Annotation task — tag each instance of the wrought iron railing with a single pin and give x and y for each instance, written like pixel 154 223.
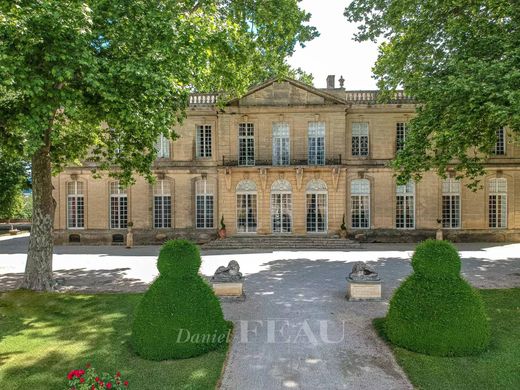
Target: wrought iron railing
pixel 233 161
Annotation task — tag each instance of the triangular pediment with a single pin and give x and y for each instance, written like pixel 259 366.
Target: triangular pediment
pixel 285 92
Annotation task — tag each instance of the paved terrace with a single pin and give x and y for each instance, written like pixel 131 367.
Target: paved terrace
pixel 295 292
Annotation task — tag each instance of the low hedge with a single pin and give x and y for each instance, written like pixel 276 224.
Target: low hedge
pixel 435 311
pixel 179 316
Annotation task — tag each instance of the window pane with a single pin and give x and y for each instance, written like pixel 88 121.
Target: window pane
pixel 246 144
pixel 203 141
pixel 281 145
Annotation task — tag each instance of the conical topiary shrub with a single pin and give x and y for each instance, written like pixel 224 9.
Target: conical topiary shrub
pixel 179 316
pixel 435 311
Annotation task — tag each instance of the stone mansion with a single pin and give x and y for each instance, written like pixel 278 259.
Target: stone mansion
pixel 290 159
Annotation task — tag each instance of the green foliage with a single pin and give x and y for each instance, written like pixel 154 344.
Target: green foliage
pixel 13 178
pixel 436 311
pixel 222 224
pixel 179 316
pixel 461 61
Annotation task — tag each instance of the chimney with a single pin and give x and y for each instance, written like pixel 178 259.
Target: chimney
pixel 331 81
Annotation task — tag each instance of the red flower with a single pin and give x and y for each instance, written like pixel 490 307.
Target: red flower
pixel 125 383
pixel 97 379
pixel 118 373
pixel 70 375
pixel 93 387
pixel 109 385
pixel 81 380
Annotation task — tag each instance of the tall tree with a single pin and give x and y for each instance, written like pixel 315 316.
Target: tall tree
pixel 461 61
pixel 103 78
pixel 13 179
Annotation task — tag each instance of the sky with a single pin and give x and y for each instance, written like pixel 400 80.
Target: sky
pixel 335 51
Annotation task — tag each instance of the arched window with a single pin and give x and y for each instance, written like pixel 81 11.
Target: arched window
pixel 162 204
pixel 75 205
pixel 497 189
pixel 204 202
pixel 360 203
pixel 317 212
pixel 246 207
pixel 405 206
pixel 451 203
pixel 118 206
pixel 281 207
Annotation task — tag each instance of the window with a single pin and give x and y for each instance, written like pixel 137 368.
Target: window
pixel 281 148
pixel 401 131
pixel 405 206
pixel 204 198
pixel 162 205
pixel 316 143
pixel 451 204
pixel 118 206
pixel 281 207
pixel 500 146
pixel 246 144
pixel 246 207
pixel 316 206
pixel 75 205
pixel 360 203
pixel 162 146
pixel 359 139
pixel 203 141
pixel 498 203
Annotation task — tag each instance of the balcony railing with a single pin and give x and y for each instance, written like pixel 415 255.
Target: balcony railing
pixel 233 161
pixel 203 99
pixel 371 97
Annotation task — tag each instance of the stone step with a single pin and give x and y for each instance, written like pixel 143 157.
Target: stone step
pixel 281 242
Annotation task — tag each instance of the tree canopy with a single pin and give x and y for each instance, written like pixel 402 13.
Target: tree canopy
pixel 461 61
pixel 13 179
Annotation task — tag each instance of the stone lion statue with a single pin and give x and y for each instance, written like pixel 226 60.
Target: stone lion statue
pixel 229 273
pixel 363 271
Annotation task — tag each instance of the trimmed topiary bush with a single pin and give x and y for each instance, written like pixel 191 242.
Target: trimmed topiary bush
pixel 435 311
pixel 179 316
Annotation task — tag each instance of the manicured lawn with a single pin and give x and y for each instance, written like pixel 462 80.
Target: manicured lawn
pixel 497 368
pixel 43 336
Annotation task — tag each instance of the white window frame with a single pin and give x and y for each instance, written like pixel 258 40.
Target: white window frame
pixel 162 146
pixel 246 144
pixel 315 153
pixel 401 132
pixel 360 189
pixel 204 191
pixel 282 189
pixel 162 215
pixel 360 130
pixel 118 193
pixel 497 190
pixel 246 190
pixel 500 145
pixel 77 194
pixel 451 198
pixel 204 138
pixel 281 137
pixel 407 193
pixel 318 189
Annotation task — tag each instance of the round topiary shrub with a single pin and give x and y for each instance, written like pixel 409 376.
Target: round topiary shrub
pixel 435 311
pixel 179 316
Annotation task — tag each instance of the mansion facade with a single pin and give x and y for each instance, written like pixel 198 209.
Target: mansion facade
pixel 290 159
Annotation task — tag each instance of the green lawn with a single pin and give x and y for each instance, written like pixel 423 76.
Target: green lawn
pixel 498 368
pixel 45 335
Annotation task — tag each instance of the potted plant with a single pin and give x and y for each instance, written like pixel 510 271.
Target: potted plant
pixel 343 228
pixel 222 230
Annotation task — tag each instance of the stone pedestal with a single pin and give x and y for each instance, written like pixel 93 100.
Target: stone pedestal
pixel 129 240
pixel 439 235
pixel 228 289
pixel 363 290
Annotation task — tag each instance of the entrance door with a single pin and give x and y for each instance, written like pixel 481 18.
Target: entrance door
pixel 246 213
pixel 316 213
pixel 281 212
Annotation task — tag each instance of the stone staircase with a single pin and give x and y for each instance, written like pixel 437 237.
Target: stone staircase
pixel 281 242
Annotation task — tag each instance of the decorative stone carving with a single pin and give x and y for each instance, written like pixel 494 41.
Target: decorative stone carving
pixel 227 177
pixel 335 177
pixel 299 177
pixel 231 273
pixel 363 283
pixel 246 186
pixel 362 271
pixel 262 172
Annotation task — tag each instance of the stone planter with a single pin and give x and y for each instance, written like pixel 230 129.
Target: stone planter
pixel 366 290
pixel 439 235
pixel 228 289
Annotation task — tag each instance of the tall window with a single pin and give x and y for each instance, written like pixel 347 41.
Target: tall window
pixel 281 145
pixel 203 141
pixel 118 206
pixel 405 206
pixel 360 203
pixel 162 205
pixel 246 144
pixel 162 146
pixel 75 205
pixel 204 201
pixel 246 206
pixel 400 135
pixel 451 204
pixel 316 206
pixel 497 203
pixel 281 207
pixel 359 139
pixel 316 143
pixel 500 146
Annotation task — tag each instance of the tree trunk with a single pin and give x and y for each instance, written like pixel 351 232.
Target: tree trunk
pixel 38 269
